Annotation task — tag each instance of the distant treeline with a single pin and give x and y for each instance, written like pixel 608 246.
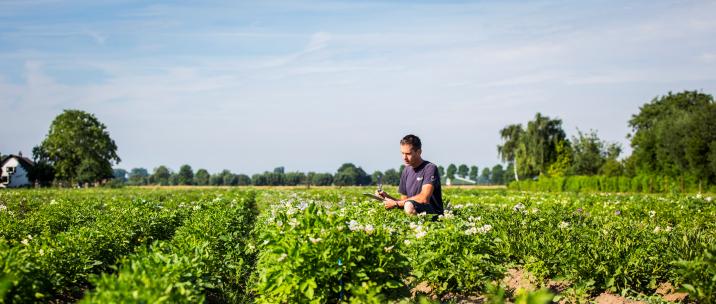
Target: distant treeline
pixel 673 138
pixel 347 175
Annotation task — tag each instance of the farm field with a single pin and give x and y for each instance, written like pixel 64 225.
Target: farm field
pixel 328 245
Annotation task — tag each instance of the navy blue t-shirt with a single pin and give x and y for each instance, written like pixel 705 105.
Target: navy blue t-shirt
pixel 413 179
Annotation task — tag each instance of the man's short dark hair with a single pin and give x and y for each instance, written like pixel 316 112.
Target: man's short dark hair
pixel 413 141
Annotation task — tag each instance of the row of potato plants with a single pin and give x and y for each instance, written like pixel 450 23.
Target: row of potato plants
pixel 206 259
pixel 50 211
pixel 597 242
pixel 52 265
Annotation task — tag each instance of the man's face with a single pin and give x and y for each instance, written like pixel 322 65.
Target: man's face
pixel 410 157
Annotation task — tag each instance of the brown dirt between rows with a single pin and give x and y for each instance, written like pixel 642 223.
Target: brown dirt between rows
pixel 517 279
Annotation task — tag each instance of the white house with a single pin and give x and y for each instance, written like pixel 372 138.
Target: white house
pixel 14 171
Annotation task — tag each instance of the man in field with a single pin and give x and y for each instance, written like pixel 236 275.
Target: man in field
pixel 419 183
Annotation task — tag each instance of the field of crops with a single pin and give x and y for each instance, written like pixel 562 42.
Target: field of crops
pixel 332 245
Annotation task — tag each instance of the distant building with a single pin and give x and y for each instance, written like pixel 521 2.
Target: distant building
pixel 15 169
pixel 457 181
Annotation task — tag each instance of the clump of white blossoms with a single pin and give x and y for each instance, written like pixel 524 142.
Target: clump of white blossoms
pixel 293 222
pixel 479 230
pixel 563 225
pixel 353 225
pixel 388 249
pixel 316 240
pixel 420 231
pixel 2 207
pixel 282 257
pixel 519 207
pixel 658 229
pixel 26 241
pixel 420 234
pixel 446 215
pixel 708 199
pixel 368 229
pixel 652 213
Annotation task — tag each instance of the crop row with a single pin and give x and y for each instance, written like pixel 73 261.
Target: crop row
pixel 206 257
pixel 593 243
pixel 58 266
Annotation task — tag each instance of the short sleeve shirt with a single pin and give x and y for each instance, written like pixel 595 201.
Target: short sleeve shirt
pixel 413 179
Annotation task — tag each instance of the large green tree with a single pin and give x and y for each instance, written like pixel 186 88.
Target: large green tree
pixel 138 176
pixel 675 135
pixel 201 178
pixel 497 176
pixel 42 172
pixel 485 176
pixel 474 172
pixel 463 170
pixel 120 175
pixel 185 176
pixel 349 175
pixel 512 146
pixel 588 153
pixel 243 180
pixel 542 136
pixel 79 148
pixel 322 179
pixel 451 170
pixel 532 150
pixel 391 177
pixel 161 175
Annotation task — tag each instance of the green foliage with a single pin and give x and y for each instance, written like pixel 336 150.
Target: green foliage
pixel 498 175
pixel 120 175
pixel 185 176
pixel 534 149
pixel 474 171
pixel 161 176
pixel 207 254
pixel 243 180
pixel 309 253
pixel 201 178
pixel 147 246
pixel 485 176
pixel 451 170
pixel 589 153
pixel 463 170
pixel 138 177
pixel 602 183
pixel 79 148
pixel 294 178
pixel 46 265
pixel 322 179
pixel 391 177
pixel 674 135
pixel 699 275
pixel 350 175
pixel 42 172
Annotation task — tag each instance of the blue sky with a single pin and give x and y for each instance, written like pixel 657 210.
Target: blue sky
pixel 249 86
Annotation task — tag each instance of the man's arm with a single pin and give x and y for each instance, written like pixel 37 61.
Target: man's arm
pixel 421 198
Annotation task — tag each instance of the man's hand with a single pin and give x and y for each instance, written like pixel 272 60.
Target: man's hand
pixel 389 203
pixel 381 193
